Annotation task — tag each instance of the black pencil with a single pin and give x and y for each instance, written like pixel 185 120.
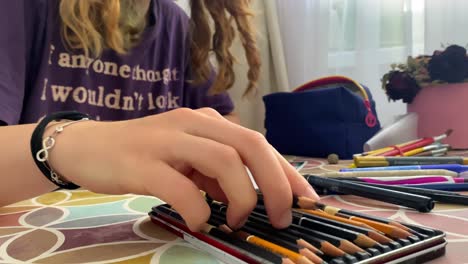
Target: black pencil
pixel 337 241
pixel 344 235
pixel 284 243
pixel 378 238
pixel 333 248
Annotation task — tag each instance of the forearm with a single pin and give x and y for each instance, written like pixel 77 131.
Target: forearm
pixel 19 178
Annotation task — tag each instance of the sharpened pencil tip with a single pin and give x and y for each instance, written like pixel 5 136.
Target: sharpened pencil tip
pixel 448 132
pixel 306 203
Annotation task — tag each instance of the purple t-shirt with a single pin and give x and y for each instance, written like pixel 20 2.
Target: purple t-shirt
pixel 38 75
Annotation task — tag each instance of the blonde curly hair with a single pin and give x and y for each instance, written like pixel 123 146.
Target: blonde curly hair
pixel 94 25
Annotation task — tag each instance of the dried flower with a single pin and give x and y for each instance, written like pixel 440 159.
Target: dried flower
pixel 401 85
pixel 404 81
pixel 450 65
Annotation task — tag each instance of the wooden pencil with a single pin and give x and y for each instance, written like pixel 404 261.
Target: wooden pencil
pixel 370 232
pixel 319 212
pixel 392 231
pixel 322 246
pixel 297 258
pixel 306 203
pixel 281 238
pixel 334 248
pixel 337 241
pixel 358 238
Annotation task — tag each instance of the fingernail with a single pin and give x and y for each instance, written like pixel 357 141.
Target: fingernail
pixel 285 219
pixel 239 224
pixel 310 192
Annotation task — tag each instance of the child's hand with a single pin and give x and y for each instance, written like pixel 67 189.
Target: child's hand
pixel 173 155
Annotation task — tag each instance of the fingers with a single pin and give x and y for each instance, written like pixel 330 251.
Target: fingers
pixel 210 186
pixel 299 185
pixel 178 191
pixel 223 163
pixel 256 153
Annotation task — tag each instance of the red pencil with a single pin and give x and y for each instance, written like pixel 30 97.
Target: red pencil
pixel 418 144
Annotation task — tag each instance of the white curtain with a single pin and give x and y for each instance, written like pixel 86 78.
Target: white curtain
pixel 446 23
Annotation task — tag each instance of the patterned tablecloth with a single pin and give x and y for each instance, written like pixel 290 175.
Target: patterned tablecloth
pixel 84 227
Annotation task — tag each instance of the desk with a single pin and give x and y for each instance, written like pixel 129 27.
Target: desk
pixel 84 227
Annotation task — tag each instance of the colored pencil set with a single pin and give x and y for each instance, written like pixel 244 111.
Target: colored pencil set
pixel 319 234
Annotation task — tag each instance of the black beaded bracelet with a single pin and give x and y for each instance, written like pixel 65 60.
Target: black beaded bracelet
pixel 40 146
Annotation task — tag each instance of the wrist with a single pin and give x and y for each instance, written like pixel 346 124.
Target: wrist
pixel 41 146
pixel 71 148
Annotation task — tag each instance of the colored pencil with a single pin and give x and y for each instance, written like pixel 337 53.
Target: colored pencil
pixel 428 179
pixel 297 258
pixel 359 239
pixel 396 230
pixel 329 245
pixel 356 235
pixel 335 240
pixel 284 240
pixel 333 210
pixel 377 152
pixel 451 167
pixel 434 153
pixel 399 161
pixel 437 147
pixel 274 238
pixel 418 202
pixel 338 221
pixel 336 218
pixel 420 143
pixel 216 215
pixel 390 172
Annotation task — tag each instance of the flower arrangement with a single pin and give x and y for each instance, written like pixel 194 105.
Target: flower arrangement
pixel 404 81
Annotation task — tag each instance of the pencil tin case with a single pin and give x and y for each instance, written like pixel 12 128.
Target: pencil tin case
pixel 420 245
pixel 330 115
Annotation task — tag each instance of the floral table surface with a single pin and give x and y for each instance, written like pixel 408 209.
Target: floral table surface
pixel 83 227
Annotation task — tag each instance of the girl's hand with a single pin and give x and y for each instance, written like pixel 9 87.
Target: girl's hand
pixel 175 154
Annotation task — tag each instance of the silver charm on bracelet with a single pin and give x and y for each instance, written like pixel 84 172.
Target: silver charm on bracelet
pixel 48 143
